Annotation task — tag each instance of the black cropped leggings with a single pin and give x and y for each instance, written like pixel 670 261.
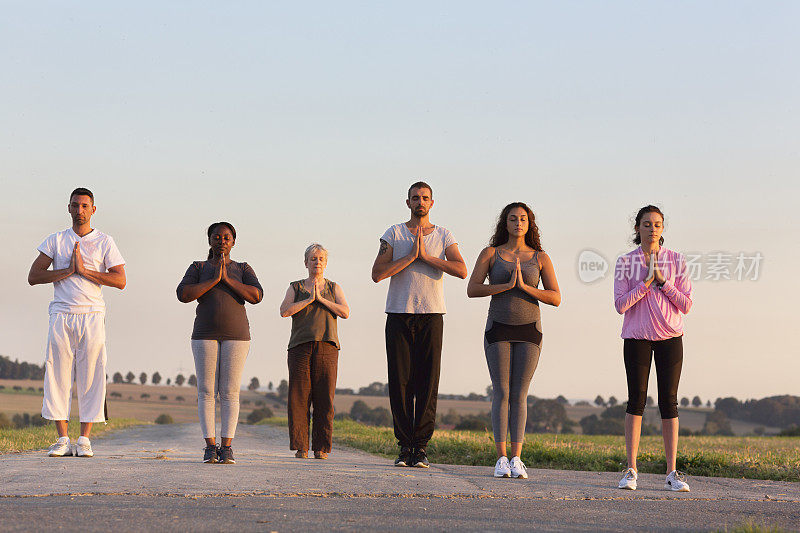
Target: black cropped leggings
pixel 638 354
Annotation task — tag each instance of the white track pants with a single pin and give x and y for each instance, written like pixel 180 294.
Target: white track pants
pixel 76 351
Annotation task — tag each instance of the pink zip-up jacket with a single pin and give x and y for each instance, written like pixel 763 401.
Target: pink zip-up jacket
pixel 652 313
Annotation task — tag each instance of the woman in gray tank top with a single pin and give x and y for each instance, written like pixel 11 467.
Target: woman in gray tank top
pixel 514 263
pixel 314 304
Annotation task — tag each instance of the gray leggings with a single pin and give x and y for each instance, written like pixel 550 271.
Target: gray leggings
pixel 219 366
pixel 511 367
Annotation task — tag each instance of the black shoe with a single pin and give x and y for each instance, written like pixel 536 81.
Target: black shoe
pixel 211 455
pixel 226 455
pixel 420 458
pixel 404 459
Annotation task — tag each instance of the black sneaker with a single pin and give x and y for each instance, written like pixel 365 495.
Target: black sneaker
pixel 226 455
pixel 420 458
pixel 210 455
pixel 404 459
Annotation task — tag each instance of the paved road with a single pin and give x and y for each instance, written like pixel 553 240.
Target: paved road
pixel 150 477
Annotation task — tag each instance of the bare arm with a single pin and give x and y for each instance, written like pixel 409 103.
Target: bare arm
pixel 290 307
pixel 249 293
pixel 384 267
pixel 339 306
pixel 452 263
pixel 193 291
pixel 115 277
pixel 476 286
pixel 551 294
pixel 40 274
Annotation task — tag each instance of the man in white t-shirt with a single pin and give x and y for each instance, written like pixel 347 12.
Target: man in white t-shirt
pixel 416 255
pixel 83 260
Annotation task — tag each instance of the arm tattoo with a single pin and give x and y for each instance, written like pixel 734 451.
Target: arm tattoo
pixel 383 248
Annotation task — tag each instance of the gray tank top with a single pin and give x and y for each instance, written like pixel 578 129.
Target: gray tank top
pixel 514 307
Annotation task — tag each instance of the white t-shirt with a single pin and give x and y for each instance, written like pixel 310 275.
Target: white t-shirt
pixel 418 288
pixel 76 294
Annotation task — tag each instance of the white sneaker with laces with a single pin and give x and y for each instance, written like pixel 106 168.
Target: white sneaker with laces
pixel 628 480
pixel 60 448
pixel 502 468
pixel 518 468
pixel 84 447
pixel 675 482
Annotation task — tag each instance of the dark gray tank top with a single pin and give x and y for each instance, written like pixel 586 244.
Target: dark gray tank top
pixel 514 307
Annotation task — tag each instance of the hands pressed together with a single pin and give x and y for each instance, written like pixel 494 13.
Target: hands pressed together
pixel 316 293
pixel 76 265
pixel 418 250
pixel 653 272
pixel 517 279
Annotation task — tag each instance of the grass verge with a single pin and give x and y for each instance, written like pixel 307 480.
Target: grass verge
pixel 38 438
pixel 776 458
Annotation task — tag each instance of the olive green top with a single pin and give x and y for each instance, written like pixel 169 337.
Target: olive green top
pixel 315 322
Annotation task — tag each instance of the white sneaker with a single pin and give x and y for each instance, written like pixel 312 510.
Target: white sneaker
pixel 60 448
pixel 501 468
pixel 675 482
pixel 518 468
pixel 84 447
pixel 628 480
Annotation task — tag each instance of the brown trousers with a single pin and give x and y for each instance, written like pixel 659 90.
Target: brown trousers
pixel 312 380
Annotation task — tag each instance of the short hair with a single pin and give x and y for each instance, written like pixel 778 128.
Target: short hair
pixel 420 185
pixel 81 191
pixel 314 246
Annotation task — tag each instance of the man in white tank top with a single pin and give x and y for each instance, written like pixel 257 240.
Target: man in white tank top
pixel 415 255
pixel 83 259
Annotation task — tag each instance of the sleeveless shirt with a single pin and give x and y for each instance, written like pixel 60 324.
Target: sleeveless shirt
pixel 315 322
pixel 514 313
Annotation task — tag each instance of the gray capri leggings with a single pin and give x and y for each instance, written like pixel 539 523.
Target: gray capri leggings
pixel 219 366
pixel 511 367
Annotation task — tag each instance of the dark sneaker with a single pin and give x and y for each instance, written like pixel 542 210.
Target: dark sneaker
pixel 226 455
pixel 210 455
pixel 420 458
pixel 404 459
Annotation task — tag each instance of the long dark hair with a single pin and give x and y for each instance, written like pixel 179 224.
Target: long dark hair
pixel 637 239
pixel 501 230
pixel 211 229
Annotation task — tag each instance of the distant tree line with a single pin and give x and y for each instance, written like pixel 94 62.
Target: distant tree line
pixel 780 411
pixel 20 421
pixel 15 370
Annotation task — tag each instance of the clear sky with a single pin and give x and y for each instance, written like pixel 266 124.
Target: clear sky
pixel 307 122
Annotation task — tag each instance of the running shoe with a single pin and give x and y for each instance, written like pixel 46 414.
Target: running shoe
pixel 404 459
pixel 60 448
pixel 226 455
pixel 518 468
pixel 502 468
pixel 211 454
pixel 628 481
pixel 420 459
pixel 84 447
pixel 320 455
pixel 676 482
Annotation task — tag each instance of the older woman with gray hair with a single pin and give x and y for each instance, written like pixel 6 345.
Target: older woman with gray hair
pixel 314 304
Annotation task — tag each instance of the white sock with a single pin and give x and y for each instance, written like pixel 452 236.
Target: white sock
pixel 83 440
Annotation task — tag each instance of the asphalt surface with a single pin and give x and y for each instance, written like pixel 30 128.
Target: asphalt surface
pixel 152 478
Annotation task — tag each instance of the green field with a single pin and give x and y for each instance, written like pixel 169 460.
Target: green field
pixel 776 458
pixel 38 438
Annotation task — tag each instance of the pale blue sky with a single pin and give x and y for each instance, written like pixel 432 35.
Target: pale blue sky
pixel 307 122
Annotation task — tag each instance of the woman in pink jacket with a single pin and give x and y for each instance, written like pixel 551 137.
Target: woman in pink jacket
pixel 653 290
